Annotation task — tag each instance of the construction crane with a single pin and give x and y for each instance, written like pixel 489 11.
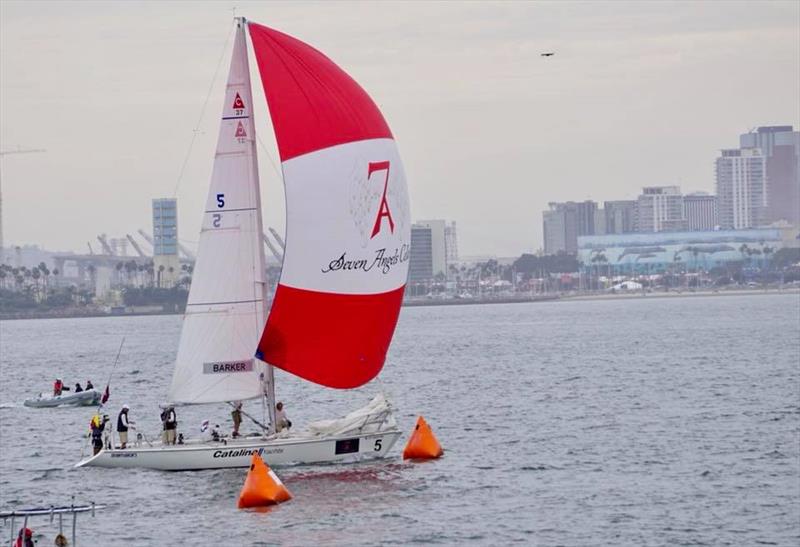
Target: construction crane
pixel 186 252
pixel 146 237
pixel 106 247
pixel 18 150
pixel 136 246
pixel 275 252
pixel 278 238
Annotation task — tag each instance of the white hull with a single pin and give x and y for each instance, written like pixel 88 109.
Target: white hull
pixel 237 453
pixel 89 397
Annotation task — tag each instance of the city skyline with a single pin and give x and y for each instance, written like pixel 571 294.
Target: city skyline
pixel 116 109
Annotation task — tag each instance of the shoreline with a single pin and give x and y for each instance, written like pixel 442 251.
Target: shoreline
pixel 679 294
pixel 61 314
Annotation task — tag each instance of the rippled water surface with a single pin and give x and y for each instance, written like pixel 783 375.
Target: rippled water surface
pixel 637 422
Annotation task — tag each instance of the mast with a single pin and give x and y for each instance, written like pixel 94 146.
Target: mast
pixel 260 275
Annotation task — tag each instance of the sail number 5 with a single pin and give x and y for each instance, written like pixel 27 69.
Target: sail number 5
pixel 216 218
pixel 377 447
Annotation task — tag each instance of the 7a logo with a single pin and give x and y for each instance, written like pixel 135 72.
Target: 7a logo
pixel 383 210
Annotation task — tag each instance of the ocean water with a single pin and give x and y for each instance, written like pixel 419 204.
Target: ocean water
pixel 617 422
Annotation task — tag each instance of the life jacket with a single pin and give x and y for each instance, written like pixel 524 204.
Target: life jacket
pixel 57 386
pixel 24 538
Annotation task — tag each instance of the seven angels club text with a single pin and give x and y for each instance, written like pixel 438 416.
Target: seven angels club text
pixel 381 261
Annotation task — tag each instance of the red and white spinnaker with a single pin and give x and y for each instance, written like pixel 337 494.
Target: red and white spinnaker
pixel 347 218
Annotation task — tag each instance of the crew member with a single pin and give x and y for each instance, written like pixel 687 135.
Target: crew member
pixel 123 423
pixel 78 388
pixel 58 387
pixel 170 423
pixel 89 384
pixel 237 418
pixel 281 421
pixel 25 538
pixel 97 425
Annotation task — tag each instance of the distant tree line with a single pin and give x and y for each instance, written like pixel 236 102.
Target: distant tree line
pixel 546 264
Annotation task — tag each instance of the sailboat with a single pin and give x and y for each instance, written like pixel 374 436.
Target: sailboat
pixel 344 270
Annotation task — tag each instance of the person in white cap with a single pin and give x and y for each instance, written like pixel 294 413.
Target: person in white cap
pixel 123 423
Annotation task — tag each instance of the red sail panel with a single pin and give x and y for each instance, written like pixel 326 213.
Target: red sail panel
pixel 313 103
pixel 336 340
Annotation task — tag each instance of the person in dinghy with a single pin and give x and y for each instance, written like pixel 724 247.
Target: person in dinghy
pixel 59 387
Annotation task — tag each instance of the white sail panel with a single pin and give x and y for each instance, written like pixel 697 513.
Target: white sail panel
pixel 225 312
pixel 358 240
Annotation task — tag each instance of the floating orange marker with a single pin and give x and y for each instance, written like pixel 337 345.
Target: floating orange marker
pixel 262 486
pixel 423 444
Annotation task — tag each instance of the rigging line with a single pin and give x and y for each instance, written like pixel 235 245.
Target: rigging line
pixel 269 156
pixel 202 113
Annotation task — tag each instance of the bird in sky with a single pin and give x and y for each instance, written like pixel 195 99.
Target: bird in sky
pixel 548 54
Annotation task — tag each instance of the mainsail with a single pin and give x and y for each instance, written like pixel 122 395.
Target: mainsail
pixel 347 218
pixel 226 310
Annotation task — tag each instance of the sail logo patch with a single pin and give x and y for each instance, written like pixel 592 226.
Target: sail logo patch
pixel 238 103
pixel 240 132
pixel 225 367
pixel 378 202
pixel 383 210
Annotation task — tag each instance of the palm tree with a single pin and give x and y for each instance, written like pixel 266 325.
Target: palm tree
pixel 676 259
pixel 130 267
pixel 745 251
pixel 767 250
pixel 93 276
pixel 36 274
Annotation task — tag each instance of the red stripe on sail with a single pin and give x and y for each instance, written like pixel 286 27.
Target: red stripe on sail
pixel 314 104
pixel 336 340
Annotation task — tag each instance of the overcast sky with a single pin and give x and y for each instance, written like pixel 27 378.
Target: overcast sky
pixel 637 94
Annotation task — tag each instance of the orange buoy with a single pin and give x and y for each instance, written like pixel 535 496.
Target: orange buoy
pixel 423 444
pixel 262 486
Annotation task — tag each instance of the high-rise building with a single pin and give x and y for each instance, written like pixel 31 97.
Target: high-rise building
pixel 660 209
pixel 780 145
pixel 564 222
pixel 451 242
pixel 700 211
pixel 438 244
pixel 620 216
pixel 553 224
pixel 741 188
pixel 165 241
pixel 420 263
pixel 599 222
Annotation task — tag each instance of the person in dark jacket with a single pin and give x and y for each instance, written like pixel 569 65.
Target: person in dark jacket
pixel 170 422
pixel 123 424
pixel 78 388
pixel 89 385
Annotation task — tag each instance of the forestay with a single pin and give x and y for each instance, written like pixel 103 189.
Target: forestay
pixel 225 312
